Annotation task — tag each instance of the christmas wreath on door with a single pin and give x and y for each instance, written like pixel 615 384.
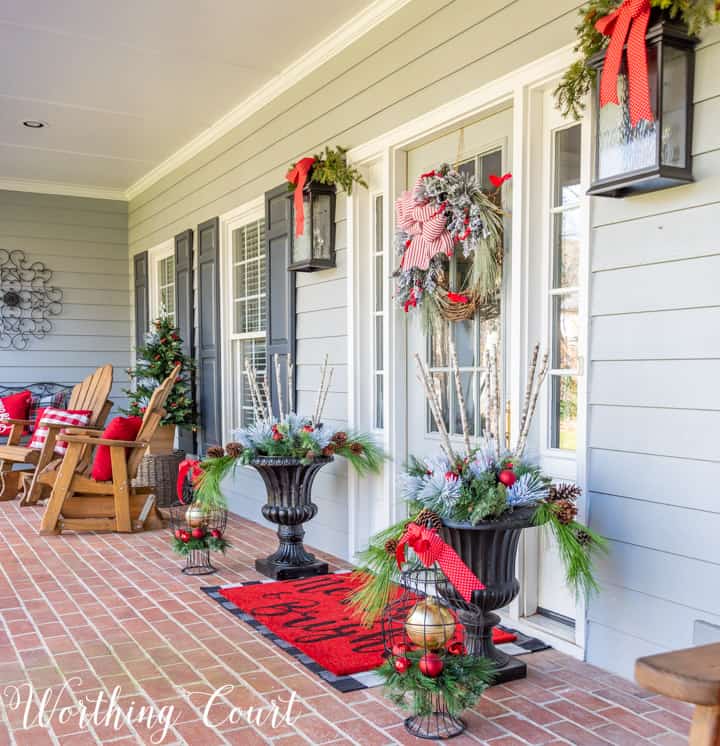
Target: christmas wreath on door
pixel 447 211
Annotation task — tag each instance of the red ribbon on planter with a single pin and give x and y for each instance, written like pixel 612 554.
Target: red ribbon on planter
pixel 188 466
pixel 430 548
pixel 298 177
pixel 629 22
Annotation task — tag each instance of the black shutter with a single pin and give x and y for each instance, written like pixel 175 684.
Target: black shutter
pixel 208 342
pixel 142 297
pixel 184 315
pixel 280 287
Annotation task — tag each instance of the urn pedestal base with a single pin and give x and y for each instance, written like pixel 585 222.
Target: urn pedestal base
pixel 289 484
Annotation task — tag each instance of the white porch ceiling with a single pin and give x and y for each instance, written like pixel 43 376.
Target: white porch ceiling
pixel 124 84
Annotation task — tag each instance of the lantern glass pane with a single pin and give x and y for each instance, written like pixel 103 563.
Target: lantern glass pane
pixel 674 107
pixel 321 211
pixel 302 251
pixel 623 148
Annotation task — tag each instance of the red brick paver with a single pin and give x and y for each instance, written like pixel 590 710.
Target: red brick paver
pixel 113 612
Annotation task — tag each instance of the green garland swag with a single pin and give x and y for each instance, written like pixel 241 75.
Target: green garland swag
pixel 579 78
pixel 331 167
pixel 379 573
pixel 461 683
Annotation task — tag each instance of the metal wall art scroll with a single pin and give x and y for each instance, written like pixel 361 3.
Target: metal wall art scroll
pixel 27 300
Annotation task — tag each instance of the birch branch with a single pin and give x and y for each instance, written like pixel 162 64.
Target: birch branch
pixel 522 438
pixel 435 406
pixel 323 374
pixel 278 384
pixel 290 383
pixel 460 396
pixel 528 390
pixel 325 394
pixel 496 376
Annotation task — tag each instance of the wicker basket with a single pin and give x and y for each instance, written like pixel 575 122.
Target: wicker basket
pixel 160 472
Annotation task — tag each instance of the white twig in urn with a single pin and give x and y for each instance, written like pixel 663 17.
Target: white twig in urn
pixel 278 385
pixel 435 402
pixel 260 411
pixel 325 381
pixel 531 397
pixel 460 397
pixel 290 383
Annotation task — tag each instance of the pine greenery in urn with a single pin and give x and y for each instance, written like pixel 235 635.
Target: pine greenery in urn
pixel 287 450
pixel 479 501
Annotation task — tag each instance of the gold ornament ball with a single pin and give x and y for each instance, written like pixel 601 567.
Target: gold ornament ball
pixel 196 516
pixel 430 625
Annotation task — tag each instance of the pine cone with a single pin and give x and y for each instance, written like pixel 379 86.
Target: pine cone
pixel 357 449
pixel 215 452
pixel 329 450
pixel 583 538
pixel 566 511
pixel 564 491
pixel 234 449
pixel 428 517
pixel 340 438
pixel 391 545
pixel 310 456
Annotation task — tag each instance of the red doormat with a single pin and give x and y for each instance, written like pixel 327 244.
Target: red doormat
pixel 312 615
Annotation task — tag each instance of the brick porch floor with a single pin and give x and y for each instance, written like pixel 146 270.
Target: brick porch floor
pixel 114 610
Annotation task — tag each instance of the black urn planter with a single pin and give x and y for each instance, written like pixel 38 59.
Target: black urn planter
pixel 288 482
pixel 489 549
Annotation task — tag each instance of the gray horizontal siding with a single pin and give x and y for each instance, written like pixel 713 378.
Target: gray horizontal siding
pixel 654 415
pixel 84 242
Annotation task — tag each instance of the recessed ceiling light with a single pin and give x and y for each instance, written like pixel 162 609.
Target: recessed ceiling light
pixel 34 124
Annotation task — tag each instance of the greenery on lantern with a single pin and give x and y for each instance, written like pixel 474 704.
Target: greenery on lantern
pixel 579 78
pixel 461 681
pixel 331 167
pixel 155 360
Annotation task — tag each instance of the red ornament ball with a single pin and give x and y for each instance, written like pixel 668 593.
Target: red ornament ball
pixel 216 533
pixel 402 665
pixel 277 436
pixel 456 648
pixel 431 664
pixel 507 477
pixel 178 533
pixel 184 536
pixel 308 428
pixel 198 533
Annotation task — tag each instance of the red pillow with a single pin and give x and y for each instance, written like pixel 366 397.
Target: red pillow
pixel 121 428
pixel 14 407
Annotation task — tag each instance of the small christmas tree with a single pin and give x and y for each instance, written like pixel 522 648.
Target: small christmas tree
pixel 155 361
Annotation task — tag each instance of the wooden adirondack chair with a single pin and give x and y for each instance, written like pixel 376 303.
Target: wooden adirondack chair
pixel 80 503
pixel 91 394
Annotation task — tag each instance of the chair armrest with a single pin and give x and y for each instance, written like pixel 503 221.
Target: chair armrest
pixel 89 430
pixel 93 441
pixel 12 421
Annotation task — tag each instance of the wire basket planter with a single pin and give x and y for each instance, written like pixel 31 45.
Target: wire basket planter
pixel 427 670
pixel 197 531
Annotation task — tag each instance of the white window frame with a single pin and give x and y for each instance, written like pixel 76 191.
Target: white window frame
pixel 378 251
pixel 230 222
pixel 158 253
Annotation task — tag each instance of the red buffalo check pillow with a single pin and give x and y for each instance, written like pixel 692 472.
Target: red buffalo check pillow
pixel 64 417
pixel 14 407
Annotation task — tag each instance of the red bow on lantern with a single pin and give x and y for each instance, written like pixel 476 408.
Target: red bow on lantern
pixel 430 548
pixel 629 22
pixel 187 467
pixel 298 177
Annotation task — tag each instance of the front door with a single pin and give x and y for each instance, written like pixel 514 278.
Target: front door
pixel 480 149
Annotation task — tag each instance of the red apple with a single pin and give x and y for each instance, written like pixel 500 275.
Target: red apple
pixel 431 664
pixel 507 477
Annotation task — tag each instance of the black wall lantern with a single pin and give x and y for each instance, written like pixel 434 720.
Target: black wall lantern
pixel 314 249
pixel 650 155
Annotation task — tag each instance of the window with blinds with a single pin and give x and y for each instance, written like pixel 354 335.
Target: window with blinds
pixel 248 298
pixel 166 286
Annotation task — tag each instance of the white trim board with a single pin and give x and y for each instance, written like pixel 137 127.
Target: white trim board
pixel 359 25
pixel 56 187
